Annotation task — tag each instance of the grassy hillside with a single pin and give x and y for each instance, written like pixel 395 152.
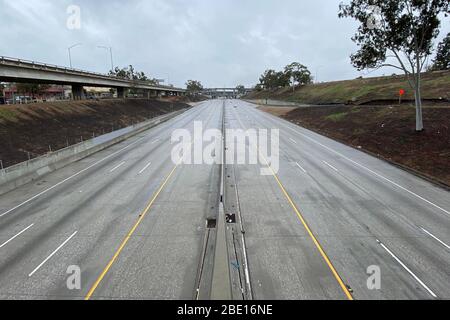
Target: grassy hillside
pixel 382 90
pixel 386 132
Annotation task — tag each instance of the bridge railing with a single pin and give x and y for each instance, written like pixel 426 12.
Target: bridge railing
pixel 52 67
pixel 30 63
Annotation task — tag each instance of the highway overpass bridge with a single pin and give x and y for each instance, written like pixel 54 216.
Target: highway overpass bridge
pixel 230 93
pixel 22 71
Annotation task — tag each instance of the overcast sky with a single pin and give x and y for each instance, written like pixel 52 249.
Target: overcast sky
pixel 219 42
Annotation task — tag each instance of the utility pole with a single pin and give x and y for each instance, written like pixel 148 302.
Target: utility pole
pixel 70 55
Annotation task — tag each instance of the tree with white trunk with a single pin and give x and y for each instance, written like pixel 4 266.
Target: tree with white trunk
pixel 398 34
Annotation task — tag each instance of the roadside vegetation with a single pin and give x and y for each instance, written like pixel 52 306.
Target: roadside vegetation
pixel 194 87
pixel 378 90
pixel 378 115
pixel 294 75
pixel 391 33
pixel 384 132
pixel 32 88
pixel 130 73
pixel 442 59
pixel 396 34
pixel 36 129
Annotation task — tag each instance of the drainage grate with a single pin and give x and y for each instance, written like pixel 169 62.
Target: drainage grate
pixel 231 218
pixel 211 223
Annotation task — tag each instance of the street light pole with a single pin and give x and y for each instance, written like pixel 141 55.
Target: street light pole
pixel 110 53
pixel 70 55
pixel 112 62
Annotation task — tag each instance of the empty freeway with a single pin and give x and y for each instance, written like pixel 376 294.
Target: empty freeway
pixel 140 226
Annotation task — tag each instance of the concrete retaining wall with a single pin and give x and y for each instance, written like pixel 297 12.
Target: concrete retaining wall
pixel 25 172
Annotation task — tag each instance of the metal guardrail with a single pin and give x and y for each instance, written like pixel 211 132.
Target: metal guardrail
pixel 52 67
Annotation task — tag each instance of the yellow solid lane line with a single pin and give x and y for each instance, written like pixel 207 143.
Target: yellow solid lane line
pixel 316 242
pixel 130 234
pixel 308 229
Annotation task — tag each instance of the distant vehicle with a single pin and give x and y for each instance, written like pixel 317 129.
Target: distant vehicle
pixel 20 100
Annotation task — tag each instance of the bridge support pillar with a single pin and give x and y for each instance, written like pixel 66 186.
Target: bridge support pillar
pixel 121 93
pixel 77 92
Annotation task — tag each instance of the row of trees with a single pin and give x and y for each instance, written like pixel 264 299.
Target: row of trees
pixel 32 88
pixel 240 89
pixel 391 33
pixel 129 73
pixel 194 86
pixel 294 74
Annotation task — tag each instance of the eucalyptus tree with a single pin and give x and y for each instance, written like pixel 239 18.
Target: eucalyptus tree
pixel 398 34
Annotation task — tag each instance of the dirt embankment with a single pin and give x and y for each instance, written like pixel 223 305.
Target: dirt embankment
pixel 185 99
pixel 387 132
pixel 32 130
pixel 379 91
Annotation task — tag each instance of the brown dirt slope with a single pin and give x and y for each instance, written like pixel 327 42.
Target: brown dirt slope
pixel 31 129
pixel 387 132
pixel 436 85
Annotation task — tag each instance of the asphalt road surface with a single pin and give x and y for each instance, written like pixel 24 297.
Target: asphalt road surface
pixel 138 225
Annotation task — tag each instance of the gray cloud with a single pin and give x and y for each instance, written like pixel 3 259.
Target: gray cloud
pixel 218 42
